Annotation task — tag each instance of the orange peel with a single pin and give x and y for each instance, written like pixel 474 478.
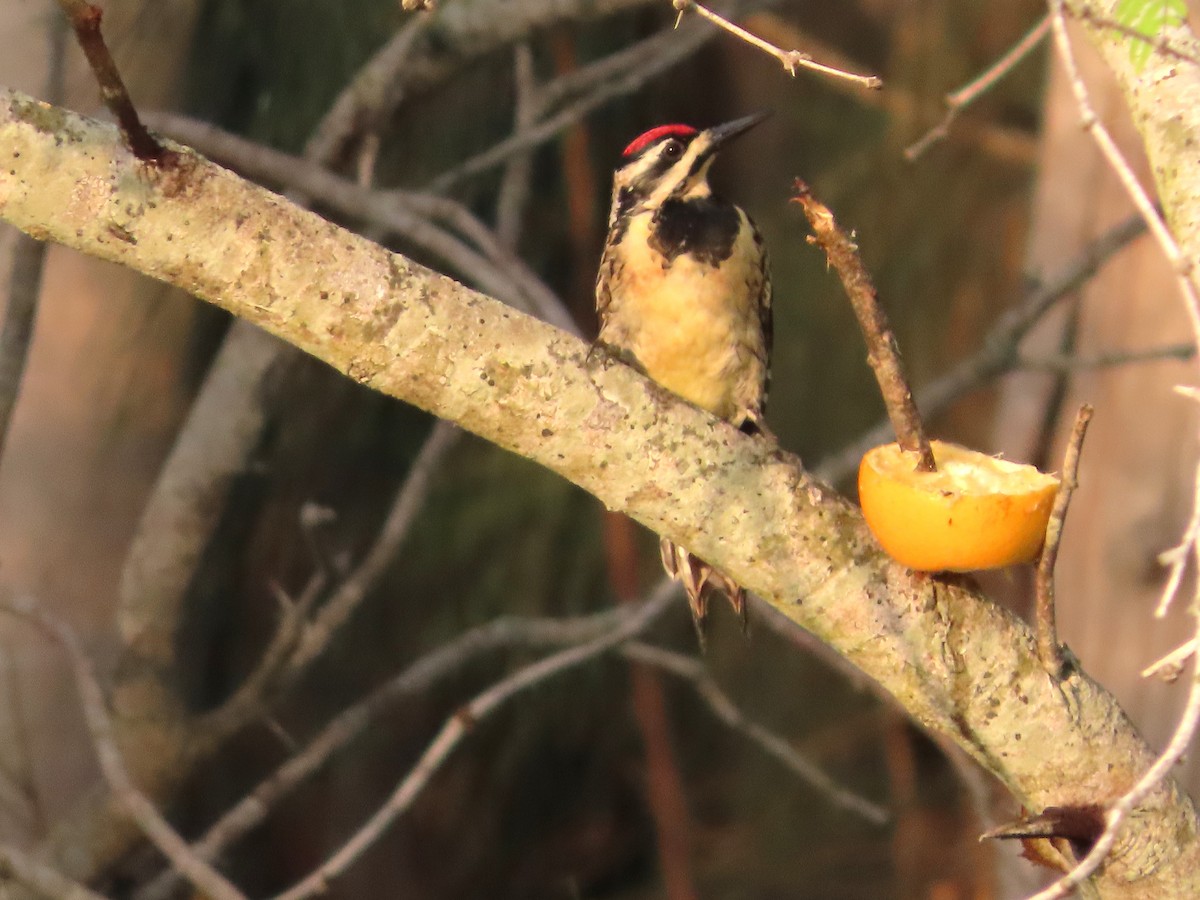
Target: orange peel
pixel 975 512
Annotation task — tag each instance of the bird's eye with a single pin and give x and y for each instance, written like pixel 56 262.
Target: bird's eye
pixel 672 149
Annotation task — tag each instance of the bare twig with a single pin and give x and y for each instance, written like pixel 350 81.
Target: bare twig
pixel 1069 362
pixel 1116 160
pixel 136 805
pixel 790 59
pixel 465 720
pixel 19 795
pixel 85 19
pixel 409 501
pixel 251 697
pixel 303 640
pixel 1049 651
pixel 16 330
pixel 998 351
pixel 368 98
pixel 352 721
pixel 1170 667
pixel 25 280
pixel 720 704
pixel 512 197
pixel 45 880
pixel 959 100
pixel 882 352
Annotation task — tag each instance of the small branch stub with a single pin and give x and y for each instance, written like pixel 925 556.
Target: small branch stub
pixel 85 20
pixel 882 352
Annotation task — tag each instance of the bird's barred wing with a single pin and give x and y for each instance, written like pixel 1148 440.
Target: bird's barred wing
pixel 766 316
pixel 604 287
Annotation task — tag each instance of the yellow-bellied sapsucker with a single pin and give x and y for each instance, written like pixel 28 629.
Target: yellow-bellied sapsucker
pixel 684 293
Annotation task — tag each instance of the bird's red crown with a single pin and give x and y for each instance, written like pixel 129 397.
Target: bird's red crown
pixel 645 140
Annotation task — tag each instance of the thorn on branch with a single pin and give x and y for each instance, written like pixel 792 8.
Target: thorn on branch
pixel 882 352
pixel 85 20
pixel 1080 825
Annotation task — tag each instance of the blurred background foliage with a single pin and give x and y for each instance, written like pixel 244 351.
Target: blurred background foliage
pixel 548 799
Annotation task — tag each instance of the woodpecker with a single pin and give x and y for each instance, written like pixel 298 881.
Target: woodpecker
pixel 684 294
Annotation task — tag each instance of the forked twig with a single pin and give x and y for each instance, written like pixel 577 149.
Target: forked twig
pixel 959 100
pixel 460 724
pixel 136 804
pixel 790 59
pixel 694 671
pixel 45 880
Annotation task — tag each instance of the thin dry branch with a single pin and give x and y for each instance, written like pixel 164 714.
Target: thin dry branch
pixel 1180 264
pixel 298 643
pixel 1049 651
pixel 43 879
pixel 100 726
pixel 407 505
pixel 416 679
pixel 85 19
pixel 719 704
pixel 998 352
pixel 882 352
pixel 959 100
pixel 25 280
pixel 791 60
pixel 512 197
pixel 252 696
pixel 1170 667
pixel 465 720
pixel 16 329
pixel 1073 362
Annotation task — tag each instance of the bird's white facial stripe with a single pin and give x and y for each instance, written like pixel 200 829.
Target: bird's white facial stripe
pixel 686 178
pixel 681 181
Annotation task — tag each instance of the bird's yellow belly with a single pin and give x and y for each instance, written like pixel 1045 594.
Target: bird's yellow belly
pixel 694 334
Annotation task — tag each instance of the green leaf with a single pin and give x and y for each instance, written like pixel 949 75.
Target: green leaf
pixel 1149 18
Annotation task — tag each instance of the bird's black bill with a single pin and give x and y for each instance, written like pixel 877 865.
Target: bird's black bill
pixel 723 134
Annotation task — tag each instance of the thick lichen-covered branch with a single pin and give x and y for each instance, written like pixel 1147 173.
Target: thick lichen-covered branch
pixel 958 663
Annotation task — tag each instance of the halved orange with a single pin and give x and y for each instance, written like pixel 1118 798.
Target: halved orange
pixel 974 512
